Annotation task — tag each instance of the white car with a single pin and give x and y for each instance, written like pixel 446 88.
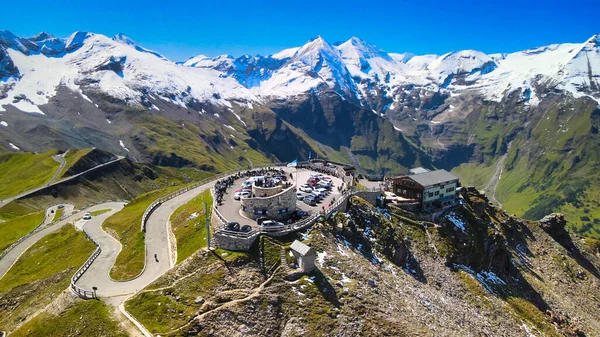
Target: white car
pixel 317 176
pixel 271 223
pixel 324 184
pixel 306 188
pixel 87 216
pixel 319 194
pixel 242 194
pixel 300 196
pixel 323 191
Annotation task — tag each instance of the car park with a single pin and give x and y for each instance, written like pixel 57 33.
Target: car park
pixel 306 188
pixel 87 216
pixel 233 226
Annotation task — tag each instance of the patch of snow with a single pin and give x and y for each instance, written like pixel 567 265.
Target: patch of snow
pixel 108 121
pixel 123 145
pixel 3 123
pixel 321 257
pixel 193 216
pixel 13 146
pixel 155 107
pixel 238 117
pixel 216 115
pixel 456 220
pixel 229 126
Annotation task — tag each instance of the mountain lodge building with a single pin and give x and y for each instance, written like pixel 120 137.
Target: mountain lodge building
pixel 432 189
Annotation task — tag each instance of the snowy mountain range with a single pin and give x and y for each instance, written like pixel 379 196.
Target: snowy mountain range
pixel 32 68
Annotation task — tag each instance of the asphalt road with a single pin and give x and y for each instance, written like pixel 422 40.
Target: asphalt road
pixel 157 242
pixel 11 257
pixel 60 158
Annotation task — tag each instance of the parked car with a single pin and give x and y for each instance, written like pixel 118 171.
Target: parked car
pixel 87 216
pixel 312 181
pixel 299 195
pixel 242 194
pixel 318 194
pixel 233 226
pixel 323 191
pixel 298 214
pixel 306 188
pixel 271 223
pixel 260 220
pixel 309 200
pixel 246 228
pixel 323 184
pixel 60 206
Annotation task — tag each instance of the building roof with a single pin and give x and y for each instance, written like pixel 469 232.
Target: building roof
pixel 418 170
pixel 433 177
pixel 302 249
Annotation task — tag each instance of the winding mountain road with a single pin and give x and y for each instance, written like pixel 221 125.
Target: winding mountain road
pixel 60 158
pixel 157 242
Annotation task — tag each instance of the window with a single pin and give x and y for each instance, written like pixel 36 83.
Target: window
pixel 437 192
pixel 283 210
pixel 418 195
pixel 430 194
pixel 404 192
pixel 261 211
pixel 244 208
pixel 450 189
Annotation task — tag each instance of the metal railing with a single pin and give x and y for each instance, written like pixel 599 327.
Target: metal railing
pixel 83 293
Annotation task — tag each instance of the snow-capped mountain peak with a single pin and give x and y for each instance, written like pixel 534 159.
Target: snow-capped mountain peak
pixel 124 39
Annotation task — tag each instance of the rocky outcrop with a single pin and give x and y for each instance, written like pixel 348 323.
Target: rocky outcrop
pixel 7 66
pixel 553 223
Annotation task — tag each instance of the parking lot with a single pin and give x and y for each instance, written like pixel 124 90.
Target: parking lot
pixel 230 209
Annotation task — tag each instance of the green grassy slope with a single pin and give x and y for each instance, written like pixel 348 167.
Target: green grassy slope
pixel 84 318
pixel 12 230
pixel 41 273
pixel 188 223
pixel 24 171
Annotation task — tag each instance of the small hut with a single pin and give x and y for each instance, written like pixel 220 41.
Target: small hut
pixel 304 255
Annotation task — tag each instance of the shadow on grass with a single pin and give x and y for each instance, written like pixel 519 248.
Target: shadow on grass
pixel 325 288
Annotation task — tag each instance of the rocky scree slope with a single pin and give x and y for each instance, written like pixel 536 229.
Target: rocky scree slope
pixel 477 271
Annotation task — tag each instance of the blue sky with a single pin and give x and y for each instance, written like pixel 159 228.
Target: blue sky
pixel 180 29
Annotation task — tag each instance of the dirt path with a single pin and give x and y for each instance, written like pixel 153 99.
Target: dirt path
pixel 254 293
pixel 492 185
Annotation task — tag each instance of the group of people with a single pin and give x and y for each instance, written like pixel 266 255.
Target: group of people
pixel 221 188
pixel 321 169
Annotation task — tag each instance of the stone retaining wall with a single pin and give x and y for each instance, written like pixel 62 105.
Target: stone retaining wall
pixel 273 205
